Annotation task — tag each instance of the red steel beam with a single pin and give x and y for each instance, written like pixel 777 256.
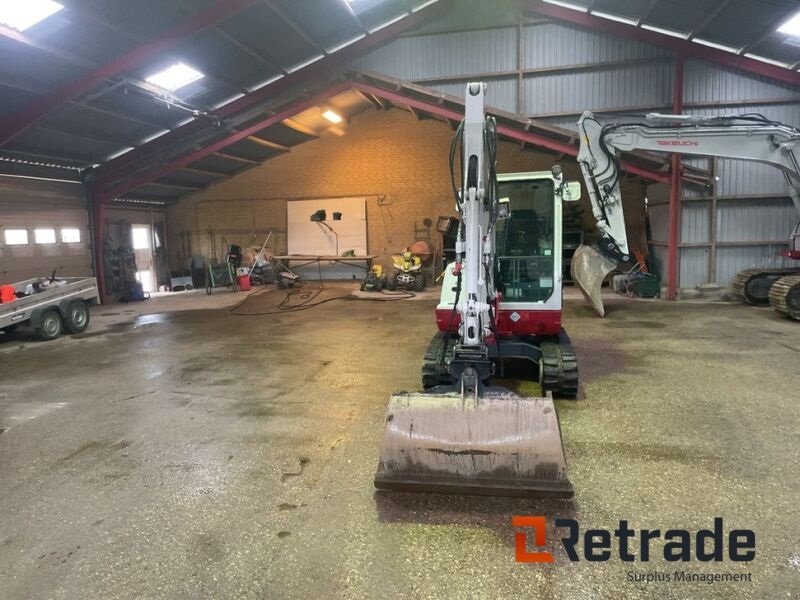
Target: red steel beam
pixel 677 45
pixel 320 70
pixel 123 186
pixel 515 134
pixel 675 192
pixel 184 161
pixel 18 122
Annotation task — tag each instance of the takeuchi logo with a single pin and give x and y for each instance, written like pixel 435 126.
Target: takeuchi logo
pixel 631 545
pixel 684 143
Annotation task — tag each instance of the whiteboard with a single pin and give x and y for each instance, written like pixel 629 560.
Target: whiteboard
pixel 308 237
pixel 305 236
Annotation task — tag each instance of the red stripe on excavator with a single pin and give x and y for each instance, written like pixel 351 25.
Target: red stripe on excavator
pixel 530 322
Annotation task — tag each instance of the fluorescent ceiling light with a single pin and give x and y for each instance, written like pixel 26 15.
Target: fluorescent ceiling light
pixel 669 32
pixel 332 116
pixel 582 9
pixel 791 27
pixel 23 14
pixel 119 153
pixel 305 63
pixel 711 44
pixel 264 83
pixel 391 21
pixel 346 43
pixel 423 5
pixel 175 77
pixel 770 61
pixel 611 17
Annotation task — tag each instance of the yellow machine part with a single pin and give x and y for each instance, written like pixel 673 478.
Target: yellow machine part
pixel 500 444
pixel 589 269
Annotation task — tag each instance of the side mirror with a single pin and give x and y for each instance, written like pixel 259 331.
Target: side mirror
pixel 570 191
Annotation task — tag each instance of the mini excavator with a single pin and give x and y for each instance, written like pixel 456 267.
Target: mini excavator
pixel 501 301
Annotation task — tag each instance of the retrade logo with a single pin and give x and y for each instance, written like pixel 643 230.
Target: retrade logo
pixel 539 527
pixel 631 545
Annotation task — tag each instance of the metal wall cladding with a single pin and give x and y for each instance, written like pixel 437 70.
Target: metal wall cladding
pixel 552 44
pixel 588 90
pixel 448 54
pixel 704 82
pixel 699 162
pixel 693 270
pixel 732 259
pixel 741 178
pixel 500 93
pixel 755 220
pixel 696 222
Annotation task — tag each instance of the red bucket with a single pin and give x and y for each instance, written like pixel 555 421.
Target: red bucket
pixel 244 283
pixel 7 294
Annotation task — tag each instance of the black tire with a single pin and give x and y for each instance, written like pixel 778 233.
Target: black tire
pixel 50 326
pixel 391 283
pixel 418 284
pixel 77 318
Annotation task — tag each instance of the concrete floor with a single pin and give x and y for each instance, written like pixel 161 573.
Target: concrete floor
pixel 191 453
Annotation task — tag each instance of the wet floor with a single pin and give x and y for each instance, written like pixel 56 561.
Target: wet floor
pixel 195 453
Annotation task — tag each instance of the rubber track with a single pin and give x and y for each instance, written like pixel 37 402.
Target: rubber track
pixel 740 281
pixel 560 367
pixel 433 369
pixel 779 292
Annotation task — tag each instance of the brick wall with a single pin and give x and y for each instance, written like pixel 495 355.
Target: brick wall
pixel 400 164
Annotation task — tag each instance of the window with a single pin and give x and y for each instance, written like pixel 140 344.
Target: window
pixel 44 235
pixel 16 237
pixel 791 27
pixel 70 235
pixel 175 77
pixel 141 238
pixel 525 240
pixel 24 14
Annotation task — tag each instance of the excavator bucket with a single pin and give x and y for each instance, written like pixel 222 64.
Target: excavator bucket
pixel 500 444
pixel 589 269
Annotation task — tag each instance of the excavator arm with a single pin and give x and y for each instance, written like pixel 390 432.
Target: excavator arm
pixel 744 137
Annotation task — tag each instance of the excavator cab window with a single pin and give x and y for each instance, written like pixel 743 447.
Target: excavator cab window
pixel 525 240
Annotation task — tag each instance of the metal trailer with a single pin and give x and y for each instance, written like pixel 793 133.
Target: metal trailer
pixel 62 307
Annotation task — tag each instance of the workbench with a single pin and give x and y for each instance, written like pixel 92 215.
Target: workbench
pixel 280 263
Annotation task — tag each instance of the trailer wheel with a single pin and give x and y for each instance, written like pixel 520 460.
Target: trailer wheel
pixel 77 317
pixel 50 325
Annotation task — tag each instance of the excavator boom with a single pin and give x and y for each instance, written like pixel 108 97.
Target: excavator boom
pixel 745 137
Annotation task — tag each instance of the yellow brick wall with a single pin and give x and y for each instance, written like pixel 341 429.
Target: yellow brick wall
pixel 398 162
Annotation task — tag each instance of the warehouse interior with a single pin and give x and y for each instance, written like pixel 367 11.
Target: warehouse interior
pixel 234 220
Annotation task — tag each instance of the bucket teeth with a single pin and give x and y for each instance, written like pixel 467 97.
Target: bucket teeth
pixel 499 445
pixel 589 269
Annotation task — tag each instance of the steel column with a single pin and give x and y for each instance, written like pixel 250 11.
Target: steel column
pixel 97 212
pixel 675 192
